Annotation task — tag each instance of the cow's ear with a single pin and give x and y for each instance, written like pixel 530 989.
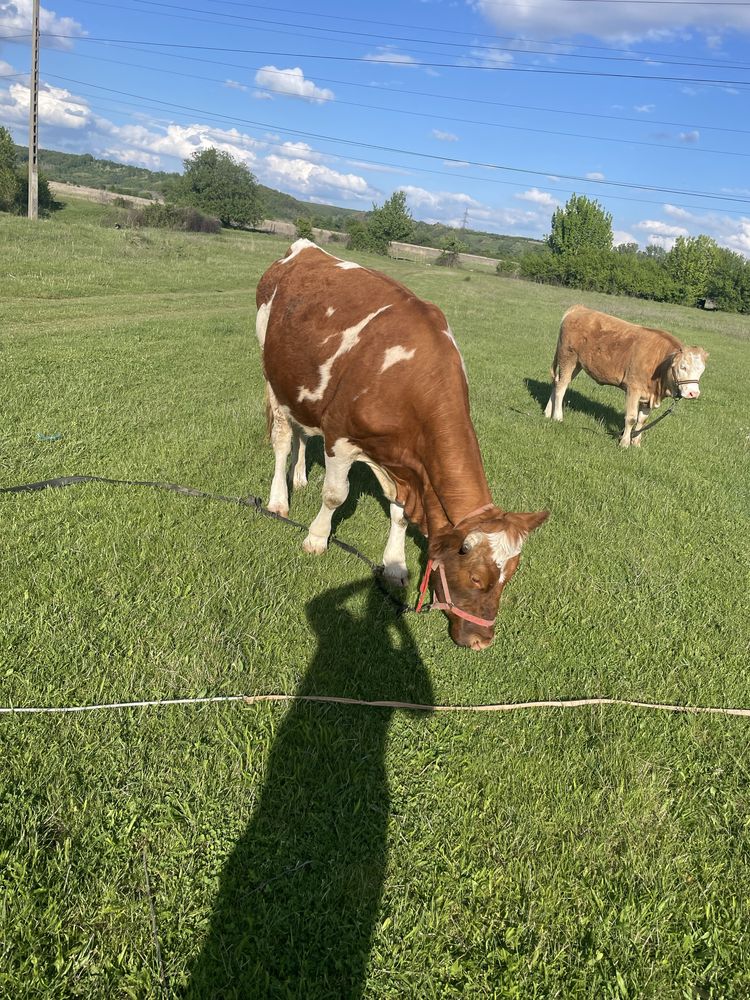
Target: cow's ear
pixel 524 524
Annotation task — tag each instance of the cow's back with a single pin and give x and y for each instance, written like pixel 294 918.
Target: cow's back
pixel 611 350
pixel 336 332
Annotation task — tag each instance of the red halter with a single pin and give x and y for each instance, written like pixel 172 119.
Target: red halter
pixel 447 604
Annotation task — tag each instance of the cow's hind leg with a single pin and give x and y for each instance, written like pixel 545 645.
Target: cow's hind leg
pixel 299 447
pixel 335 492
pixel 564 371
pixel 281 434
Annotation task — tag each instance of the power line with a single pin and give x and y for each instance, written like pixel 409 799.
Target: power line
pixel 475 47
pixel 410 93
pixel 430 156
pixel 299 154
pixel 446 118
pixel 384 60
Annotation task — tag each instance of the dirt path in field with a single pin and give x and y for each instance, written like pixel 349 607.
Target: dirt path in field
pixel 96 194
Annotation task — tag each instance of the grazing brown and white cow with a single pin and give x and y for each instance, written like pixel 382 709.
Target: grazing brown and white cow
pixel 648 364
pixel 353 355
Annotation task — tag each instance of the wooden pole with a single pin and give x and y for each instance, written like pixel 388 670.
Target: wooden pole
pixel 34 116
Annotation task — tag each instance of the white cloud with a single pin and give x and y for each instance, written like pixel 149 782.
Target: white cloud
pixel 389 55
pixel 444 136
pixel 56 106
pixel 622 22
pixel 665 242
pixel 619 236
pixel 542 198
pixel 135 157
pixel 292 83
pixel 15 17
pixel 657 228
pixel 676 212
pixel 456 164
pixel 594 175
pixel 313 179
pixel 693 136
pixel 181 141
pixel 644 109
pixel 235 85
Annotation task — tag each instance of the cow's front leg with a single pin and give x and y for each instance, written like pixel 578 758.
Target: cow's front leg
pixel 394 557
pixel 643 411
pixel 335 491
pixel 632 401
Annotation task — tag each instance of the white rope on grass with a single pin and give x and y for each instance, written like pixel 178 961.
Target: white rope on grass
pixel 334 700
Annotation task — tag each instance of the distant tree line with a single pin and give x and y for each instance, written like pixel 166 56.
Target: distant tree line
pixel 579 253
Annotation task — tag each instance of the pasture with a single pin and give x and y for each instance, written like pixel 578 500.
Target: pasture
pixel 316 851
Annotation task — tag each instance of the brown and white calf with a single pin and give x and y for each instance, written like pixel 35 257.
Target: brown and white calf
pixel 648 364
pixel 353 355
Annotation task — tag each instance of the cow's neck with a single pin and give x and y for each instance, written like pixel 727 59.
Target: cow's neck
pixel 454 477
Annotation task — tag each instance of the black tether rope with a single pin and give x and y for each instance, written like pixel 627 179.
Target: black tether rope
pixel 661 416
pixel 249 501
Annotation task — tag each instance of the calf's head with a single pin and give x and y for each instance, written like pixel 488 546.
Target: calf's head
pixel 687 367
pixel 476 560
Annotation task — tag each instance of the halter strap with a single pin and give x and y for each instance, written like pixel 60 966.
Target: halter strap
pixel 447 605
pixel 473 513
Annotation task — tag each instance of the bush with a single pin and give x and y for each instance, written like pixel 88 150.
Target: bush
pixel 180 218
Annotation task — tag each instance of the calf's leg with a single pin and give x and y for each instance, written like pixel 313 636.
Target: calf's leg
pixel 565 370
pixel 643 411
pixel 632 401
pixel 335 491
pixel 299 447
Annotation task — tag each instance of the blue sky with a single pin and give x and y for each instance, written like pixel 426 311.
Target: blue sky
pixel 489 111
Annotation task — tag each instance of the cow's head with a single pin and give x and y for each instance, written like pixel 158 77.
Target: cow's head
pixel 478 558
pixel 687 367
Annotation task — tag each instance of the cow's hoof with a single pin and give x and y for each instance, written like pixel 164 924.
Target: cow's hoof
pixel 315 545
pixel 279 508
pixel 624 443
pixel 300 480
pixel 396 574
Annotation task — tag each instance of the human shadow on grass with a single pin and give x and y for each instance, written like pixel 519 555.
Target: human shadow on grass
pixel 611 418
pixel 299 897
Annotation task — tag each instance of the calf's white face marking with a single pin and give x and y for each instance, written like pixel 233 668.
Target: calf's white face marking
pixel 395 354
pixel 689 369
pixel 502 546
pixel 348 339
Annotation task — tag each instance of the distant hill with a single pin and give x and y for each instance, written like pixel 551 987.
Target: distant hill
pixel 87 171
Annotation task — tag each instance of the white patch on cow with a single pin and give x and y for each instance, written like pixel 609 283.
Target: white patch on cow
pixel 298 247
pixel 501 545
pixel 348 339
pixel 689 371
pixel 449 334
pixel 347 265
pixel 261 320
pixel 329 312
pixel 395 354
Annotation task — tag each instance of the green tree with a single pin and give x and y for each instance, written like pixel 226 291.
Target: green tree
pixel 385 224
pixel 582 226
pixel 729 283
pixel 452 247
pixel 9 182
pixel 303 228
pixel 691 262
pixel 217 184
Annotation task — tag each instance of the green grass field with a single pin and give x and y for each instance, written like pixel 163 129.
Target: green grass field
pixel 314 851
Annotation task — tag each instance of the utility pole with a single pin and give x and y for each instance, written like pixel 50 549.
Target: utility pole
pixel 34 116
